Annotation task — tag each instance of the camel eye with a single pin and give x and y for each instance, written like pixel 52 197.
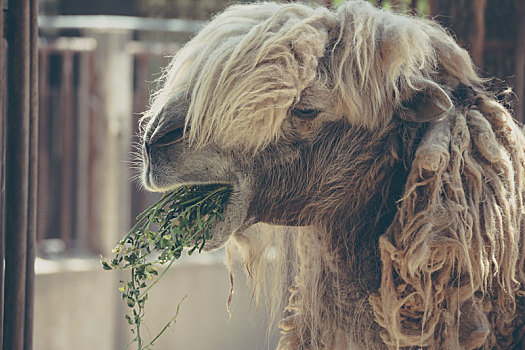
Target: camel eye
pixel 173 136
pixel 306 114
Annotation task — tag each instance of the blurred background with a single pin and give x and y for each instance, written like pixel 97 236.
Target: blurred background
pixel 97 65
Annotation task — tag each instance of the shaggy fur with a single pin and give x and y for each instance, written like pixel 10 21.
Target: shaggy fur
pixel 397 180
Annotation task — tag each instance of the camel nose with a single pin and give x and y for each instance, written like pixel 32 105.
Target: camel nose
pixel 145 153
pixel 159 141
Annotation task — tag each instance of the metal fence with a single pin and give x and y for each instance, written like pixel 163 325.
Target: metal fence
pixel 67 113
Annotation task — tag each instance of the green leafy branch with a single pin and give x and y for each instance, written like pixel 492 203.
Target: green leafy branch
pixel 180 219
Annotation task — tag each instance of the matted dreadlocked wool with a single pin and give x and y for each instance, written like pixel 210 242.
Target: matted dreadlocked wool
pixel 455 250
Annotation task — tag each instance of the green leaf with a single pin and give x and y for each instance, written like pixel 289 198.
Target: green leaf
pixel 106 266
pixel 130 302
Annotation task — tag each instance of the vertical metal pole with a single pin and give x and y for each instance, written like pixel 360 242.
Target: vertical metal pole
pixel 66 202
pixel 33 180
pixel 43 142
pixel 520 65
pixel 82 154
pixel 413 7
pixel 17 171
pixel 3 110
pixel 94 112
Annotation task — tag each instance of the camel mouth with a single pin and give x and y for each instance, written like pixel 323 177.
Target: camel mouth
pixel 158 176
pixel 231 216
pixel 192 186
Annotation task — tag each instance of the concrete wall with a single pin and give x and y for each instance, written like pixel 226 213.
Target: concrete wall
pixel 78 307
pixel 75 306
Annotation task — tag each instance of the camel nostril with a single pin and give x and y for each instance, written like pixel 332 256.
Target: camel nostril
pixel 171 137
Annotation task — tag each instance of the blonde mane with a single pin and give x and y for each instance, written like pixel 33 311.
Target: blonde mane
pixel 225 106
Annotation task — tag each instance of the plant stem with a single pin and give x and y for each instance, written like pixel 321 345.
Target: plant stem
pixel 167 324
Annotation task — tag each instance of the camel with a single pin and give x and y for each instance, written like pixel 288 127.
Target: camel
pixel 377 184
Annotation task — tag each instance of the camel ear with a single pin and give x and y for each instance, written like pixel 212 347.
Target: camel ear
pixel 427 102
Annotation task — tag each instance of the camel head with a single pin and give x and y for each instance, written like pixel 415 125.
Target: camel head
pixel 282 101
pixel 371 134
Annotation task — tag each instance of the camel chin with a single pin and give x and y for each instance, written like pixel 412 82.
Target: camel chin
pixel 235 221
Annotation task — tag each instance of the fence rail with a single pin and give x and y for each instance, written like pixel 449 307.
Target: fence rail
pixel 129 23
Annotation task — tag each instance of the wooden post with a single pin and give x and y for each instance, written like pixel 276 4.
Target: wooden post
pixel 477 39
pixel 113 132
pixel 467 21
